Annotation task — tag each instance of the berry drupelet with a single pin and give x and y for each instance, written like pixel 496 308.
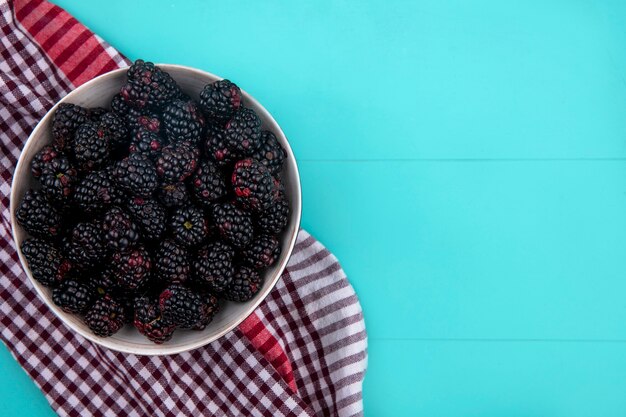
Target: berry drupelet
pixel 254 185
pixel 183 121
pixel 171 262
pixel 242 134
pixel 37 216
pixel 136 175
pixel 105 317
pixel 275 218
pixel 177 162
pixel 220 100
pixel 233 224
pixel 72 296
pixel 208 184
pixel 149 215
pixel 213 266
pixel 149 321
pixel 120 232
pixel 132 268
pixel 67 118
pixel 188 226
pixel 45 262
pixel 262 252
pixel 270 153
pixel 96 192
pixel 246 284
pixel 148 86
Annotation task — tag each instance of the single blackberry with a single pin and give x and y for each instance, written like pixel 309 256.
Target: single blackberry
pixel 246 284
pixel 72 296
pixel 58 178
pixel 254 185
pixel 262 252
pixel 275 218
pixel 132 268
pixel 215 147
pixel 233 224
pixel 270 153
pixel 140 120
pixel 149 215
pixel 136 175
pixel 37 216
pixel 105 317
pixel 91 147
pixel 211 307
pixel 188 226
pixel 173 195
pixel 115 128
pixel 119 106
pixel 220 100
pixel 171 262
pixel 149 321
pixel 85 245
pixel 183 121
pixel 147 143
pixel 120 232
pixel 213 266
pixel 148 85
pixel 104 282
pixel 67 118
pixel 45 262
pixel 96 192
pixel 208 184
pixel 242 134
pixel 182 306
pixel 42 158
pixel 177 162
pixel 96 113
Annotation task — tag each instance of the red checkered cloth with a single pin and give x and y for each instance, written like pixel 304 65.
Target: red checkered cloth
pixel 302 352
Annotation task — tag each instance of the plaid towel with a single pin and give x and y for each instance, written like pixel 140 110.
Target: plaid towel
pixel 301 353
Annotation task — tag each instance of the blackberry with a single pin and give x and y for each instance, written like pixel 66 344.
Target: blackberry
pixel 96 192
pixel 148 85
pixel 208 184
pixel 119 106
pixel 104 282
pixel 183 121
pixel 177 162
pixel 136 175
pixel 85 245
pixel 171 262
pixel 275 218
pixel 182 306
pixel 246 284
pixel 262 252
pixel 91 147
pixel 143 120
pixel 105 317
pixel 37 216
pixel 211 307
pixel 120 232
pixel 233 224
pixel 213 266
pixel 215 147
pixel 42 158
pixel 72 296
pixel 270 153
pixel 45 262
pixel 220 100
pixel 115 128
pixel 58 178
pixel 149 215
pixel 147 143
pixel 242 134
pixel 149 321
pixel 188 226
pixel 254 185
pixel 173 195
pixel 96 113
pixel 67 118
pixel 131 269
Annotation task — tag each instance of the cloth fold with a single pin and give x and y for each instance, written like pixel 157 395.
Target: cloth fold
pixel 303 352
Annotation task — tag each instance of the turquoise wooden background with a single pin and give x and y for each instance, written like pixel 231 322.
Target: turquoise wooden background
pixel 466 162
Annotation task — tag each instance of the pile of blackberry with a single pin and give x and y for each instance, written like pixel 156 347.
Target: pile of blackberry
pixel 155 211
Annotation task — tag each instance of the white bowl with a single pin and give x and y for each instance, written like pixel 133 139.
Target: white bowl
pixel 98 93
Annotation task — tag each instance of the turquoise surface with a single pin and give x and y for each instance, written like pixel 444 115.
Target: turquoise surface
pixel 466 162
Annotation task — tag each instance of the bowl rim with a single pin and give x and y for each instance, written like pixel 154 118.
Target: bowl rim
pixel 164 349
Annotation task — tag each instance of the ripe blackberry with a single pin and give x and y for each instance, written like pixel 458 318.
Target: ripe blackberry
pixel 119 106
pixel 188 226
pixel 149 321
pixel 42 158
pixel 147 143
pixel 246 284
pixel 91 147
pixel 213 266
pixel 148 85
pixel 67 118
pixel 233 224
pixel 254 185
pixel 104 282
pixel 96 192
pixel 177 162
pixel 115 129
pixel 136 175
pixel 171 262
pixel 275 218
pixel 105 317
pixel 262 252
pixel 132 268
pixel 211 307
pixel 58 178
pixel 173 195
pixel 242 134
pixel 140 120
pixel 72 296
pixel 215 147
pixel 270 153
pixel 208 184
pixel 96 113
pixel 85 245
pixel 220 100
pixel 149 215
pixel 182 306
pixel 37 216
pixel 45 262
pixel 183 121
pixel 120 232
